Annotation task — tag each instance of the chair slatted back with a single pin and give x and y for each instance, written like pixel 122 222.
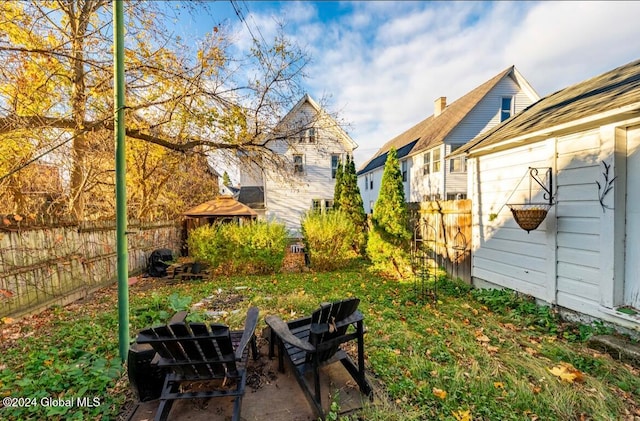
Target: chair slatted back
pixel 332 313
pixel 194 350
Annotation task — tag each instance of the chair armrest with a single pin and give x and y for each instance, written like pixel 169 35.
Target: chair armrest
pixel 357 316
pixel 281 329
pixel 179 317
pixel 249 328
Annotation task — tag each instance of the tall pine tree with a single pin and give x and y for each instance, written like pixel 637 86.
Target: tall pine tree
pixel 388 244
pixel 350 198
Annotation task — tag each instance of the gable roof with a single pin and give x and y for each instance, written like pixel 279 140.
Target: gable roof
pixel 306 99
pixel 433 130
pixel 613 92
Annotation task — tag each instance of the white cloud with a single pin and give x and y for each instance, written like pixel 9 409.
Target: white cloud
pixel 384 63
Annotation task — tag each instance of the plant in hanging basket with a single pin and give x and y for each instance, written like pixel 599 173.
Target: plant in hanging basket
pixel 529 216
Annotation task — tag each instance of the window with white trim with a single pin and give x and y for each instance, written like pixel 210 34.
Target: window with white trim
pixel 335 161
pixel 506 108
pixel 403 168
pixel 321 205
pixel 426 163
pixel 458 165
pixel 436 159
pixel 298 164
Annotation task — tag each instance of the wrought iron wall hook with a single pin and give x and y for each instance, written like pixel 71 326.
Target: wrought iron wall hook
pixel 534 174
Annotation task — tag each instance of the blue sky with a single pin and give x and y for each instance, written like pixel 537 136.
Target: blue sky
pixel 381 64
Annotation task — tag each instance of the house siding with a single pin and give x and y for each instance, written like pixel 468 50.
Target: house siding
pixel 289 197
pixel 579 218
pixel 486 114
pixel 370 195
pixel 576 258
pixel 504 254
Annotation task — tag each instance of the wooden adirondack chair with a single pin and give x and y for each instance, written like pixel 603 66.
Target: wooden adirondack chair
pixel 195 352
pixel 311 342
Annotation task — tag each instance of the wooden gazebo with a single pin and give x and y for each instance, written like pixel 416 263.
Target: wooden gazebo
pixel 220 209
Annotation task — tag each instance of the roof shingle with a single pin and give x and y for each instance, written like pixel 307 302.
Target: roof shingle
pixel 433 130
pixel 615 89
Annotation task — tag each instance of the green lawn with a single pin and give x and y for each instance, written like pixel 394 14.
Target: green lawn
pixel 468 355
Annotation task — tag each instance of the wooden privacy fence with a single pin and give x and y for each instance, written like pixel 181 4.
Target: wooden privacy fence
pixel 40 267
pixel 447 224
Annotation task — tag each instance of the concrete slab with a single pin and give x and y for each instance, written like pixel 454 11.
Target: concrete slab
pixel 270 395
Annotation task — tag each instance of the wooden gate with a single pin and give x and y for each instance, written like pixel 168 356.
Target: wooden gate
pixel 447 227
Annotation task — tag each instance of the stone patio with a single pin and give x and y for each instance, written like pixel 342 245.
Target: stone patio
pixel 270 395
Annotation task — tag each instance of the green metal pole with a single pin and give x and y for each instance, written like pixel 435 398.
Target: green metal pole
pixel 121 187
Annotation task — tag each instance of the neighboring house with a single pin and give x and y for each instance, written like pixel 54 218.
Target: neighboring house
pixel 585 256
pixel 308 145
pixel 427 175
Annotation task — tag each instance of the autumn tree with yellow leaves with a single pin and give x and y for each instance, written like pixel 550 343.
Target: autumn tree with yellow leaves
pixel 182 103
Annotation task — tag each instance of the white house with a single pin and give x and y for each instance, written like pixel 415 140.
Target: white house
pixel 302 176
pixel 584 141
pixel 427 175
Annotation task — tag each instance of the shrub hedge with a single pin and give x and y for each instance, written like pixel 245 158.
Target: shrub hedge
pixel 255 248
pixel 331 239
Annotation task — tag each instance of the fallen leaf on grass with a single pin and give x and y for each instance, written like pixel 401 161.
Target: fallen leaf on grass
pixel 462 415
pixel 492 349
pixel 566 372
pixel 439 393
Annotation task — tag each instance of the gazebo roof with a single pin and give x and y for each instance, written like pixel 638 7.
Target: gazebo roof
pixel 221 206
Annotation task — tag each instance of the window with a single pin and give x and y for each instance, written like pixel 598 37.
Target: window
pixel 321 205
pixel 403 168
pixel 311 133
pixel 506 108
pixel 368 181
pixel 371 203
pixel 456 196
pixel 426 163
pixel 298 165
pixel 458 165
pixel 335 161
pixel 436 160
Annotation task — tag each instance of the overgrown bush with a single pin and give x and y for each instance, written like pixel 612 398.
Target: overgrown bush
pixel 330 239
pixel 255 248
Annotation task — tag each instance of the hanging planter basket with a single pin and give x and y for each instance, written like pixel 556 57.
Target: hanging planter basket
pixel 529 216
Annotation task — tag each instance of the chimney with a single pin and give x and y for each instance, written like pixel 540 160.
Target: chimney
pixel 439 105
